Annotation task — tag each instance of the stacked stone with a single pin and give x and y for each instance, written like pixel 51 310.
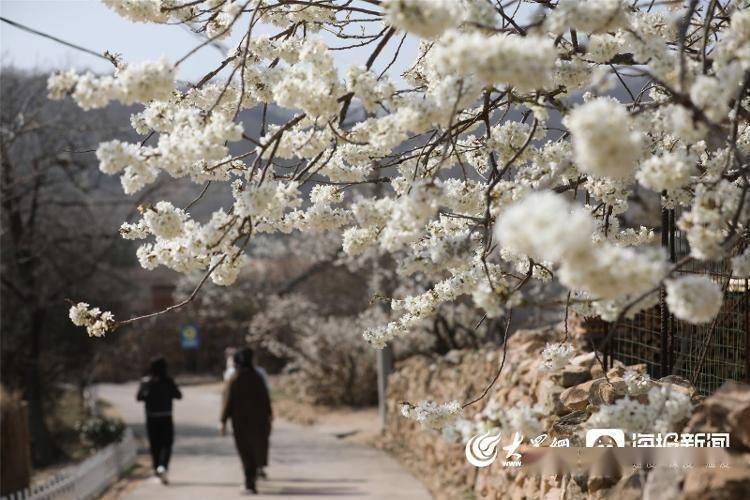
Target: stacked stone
pixel 574 393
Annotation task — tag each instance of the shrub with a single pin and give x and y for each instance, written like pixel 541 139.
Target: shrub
pixel 326 355
pixel 99 431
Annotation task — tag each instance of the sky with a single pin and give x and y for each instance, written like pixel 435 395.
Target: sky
pixel 90 24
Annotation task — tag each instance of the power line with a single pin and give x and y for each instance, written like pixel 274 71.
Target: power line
pixel 54 38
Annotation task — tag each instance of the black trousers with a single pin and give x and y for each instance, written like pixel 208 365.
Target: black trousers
pixel 160 438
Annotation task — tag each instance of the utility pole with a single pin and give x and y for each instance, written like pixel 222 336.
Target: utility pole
pixel 384 361
pixel 385 367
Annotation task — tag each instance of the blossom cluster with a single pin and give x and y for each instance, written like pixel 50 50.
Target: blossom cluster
pixel 516 149
pixel 636 382
pixel 604 141
pixel 544 225
pixel 695 299
pixel 665 409
pixel 131 83
pixel 431 415
pixel 96 321
pixel 498 416
pixel 556 356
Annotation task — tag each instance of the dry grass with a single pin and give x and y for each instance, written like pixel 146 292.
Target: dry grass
pixel 359 425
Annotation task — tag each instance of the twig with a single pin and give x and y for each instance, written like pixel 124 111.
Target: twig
pixel 502 363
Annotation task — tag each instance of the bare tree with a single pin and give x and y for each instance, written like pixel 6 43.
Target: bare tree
pixel 57 234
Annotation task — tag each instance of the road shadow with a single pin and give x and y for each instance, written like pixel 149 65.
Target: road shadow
pixel 306 486
pixel 310 480
pixel 326 491
pixel 190 439
pixel 181 430
pixel 191 484
pixel 273 488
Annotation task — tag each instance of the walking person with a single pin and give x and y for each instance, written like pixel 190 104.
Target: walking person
pixel 157 390
pixel 229 369
pixel 247 404
pixel 263 460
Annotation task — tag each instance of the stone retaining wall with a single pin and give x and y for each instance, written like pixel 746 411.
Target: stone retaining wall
pixel 574 394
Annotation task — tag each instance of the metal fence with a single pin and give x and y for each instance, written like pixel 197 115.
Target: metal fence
pixel 707 355
pixel 86 480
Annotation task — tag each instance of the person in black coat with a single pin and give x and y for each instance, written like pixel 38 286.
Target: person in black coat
pixel 247 404
pixel 158 390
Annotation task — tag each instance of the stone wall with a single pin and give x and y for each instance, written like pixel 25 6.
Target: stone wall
pixel 574 394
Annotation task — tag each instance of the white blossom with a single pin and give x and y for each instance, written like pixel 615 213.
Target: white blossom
pixel 611 271
pixel 145 81
pixel 96 321
pixel 79 313
pixel 140 10
pixel 60 84
pixel 114 156
pixel 523 62
pixel 695 299
pixel 713 206
pixel 683 124
pixel 637 383
pixel 602 48
pixel 131 83
pixel 417 170
pixel 604 141
pixel 556 356
pixel 544 226
pixel 425 18
pixel 164 220
pixel 666 172
pixel 666 408
pixel 431 415
pixel 591 16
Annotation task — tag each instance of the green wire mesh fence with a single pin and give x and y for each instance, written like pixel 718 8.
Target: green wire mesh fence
pixel 708 354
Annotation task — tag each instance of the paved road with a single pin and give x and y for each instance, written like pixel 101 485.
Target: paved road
pixel 304 462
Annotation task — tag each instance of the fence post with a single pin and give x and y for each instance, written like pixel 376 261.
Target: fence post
pixel 385 367
pixel 746 306
pixel 671 344
pixel 15 442
pixel 663 310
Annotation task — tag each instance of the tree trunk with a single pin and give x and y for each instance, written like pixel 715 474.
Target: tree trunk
pixel 43 447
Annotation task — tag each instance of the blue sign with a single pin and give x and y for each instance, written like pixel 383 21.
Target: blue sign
pixel 189 338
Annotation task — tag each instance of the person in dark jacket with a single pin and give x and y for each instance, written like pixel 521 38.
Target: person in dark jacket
pixel 248 406
pixel 158 390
